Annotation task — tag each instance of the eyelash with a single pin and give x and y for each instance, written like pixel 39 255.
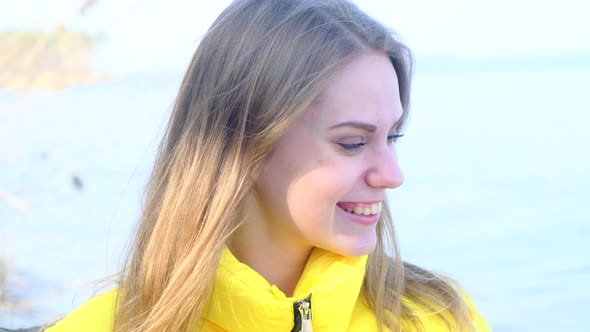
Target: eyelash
pixel 358 146
pixel 353 147
pixel 394 138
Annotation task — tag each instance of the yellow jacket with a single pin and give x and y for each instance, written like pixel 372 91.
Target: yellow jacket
pixel 242 300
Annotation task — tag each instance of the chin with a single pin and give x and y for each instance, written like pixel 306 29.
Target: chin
pixel 355 248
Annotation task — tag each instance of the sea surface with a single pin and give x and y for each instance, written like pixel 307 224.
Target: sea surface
pixel 496 163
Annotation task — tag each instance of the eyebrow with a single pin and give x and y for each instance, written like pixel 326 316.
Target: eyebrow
pixel 356 124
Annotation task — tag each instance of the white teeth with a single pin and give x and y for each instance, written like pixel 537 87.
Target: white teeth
pixel 374 209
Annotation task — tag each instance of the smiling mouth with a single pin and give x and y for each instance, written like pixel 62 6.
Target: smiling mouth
pixel 361 209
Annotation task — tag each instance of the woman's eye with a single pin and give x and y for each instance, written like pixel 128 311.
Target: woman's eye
pixel 352 147
pixel 352 144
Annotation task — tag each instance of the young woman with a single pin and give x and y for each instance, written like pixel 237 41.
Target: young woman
pixel 266 209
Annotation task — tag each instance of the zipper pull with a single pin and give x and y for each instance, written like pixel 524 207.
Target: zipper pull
pixel 305 312
pixel 302 315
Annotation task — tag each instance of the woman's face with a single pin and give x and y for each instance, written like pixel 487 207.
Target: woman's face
pixel 324 181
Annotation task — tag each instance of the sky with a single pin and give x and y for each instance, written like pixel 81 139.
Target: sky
pixel 165 33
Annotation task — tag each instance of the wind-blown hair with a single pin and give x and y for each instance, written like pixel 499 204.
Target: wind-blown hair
pixel 251 79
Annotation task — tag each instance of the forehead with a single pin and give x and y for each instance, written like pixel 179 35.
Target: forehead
pixel 366 89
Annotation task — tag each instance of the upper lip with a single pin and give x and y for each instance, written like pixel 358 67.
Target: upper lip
pixel 362 202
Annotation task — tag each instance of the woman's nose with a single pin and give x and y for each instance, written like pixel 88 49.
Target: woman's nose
pixel 385 171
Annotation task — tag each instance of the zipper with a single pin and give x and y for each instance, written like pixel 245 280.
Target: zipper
pixel 305 313
pixel 302 315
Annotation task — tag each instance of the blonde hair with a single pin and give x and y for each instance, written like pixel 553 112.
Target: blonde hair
pixel 251 79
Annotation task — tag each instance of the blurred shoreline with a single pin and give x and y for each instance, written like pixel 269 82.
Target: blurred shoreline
pixel 53 60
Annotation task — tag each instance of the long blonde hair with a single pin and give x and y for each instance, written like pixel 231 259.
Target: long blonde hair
pixel 251 79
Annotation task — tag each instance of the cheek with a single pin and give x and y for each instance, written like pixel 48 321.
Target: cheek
pixel 302 189
pixel 312 197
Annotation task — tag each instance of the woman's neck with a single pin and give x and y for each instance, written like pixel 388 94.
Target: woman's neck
pixel 279 262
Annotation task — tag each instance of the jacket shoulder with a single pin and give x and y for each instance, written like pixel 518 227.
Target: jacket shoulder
pixel 95 315
pixel 480 324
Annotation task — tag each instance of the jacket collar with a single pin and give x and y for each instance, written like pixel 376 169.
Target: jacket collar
pixel 242 300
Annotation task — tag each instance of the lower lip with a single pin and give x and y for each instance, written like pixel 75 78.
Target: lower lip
pixel 369 220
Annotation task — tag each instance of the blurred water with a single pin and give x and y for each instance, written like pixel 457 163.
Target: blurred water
pixel 496 166
pixel 105 134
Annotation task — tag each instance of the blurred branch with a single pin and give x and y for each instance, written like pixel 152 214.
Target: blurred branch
pixel 14 201
pixel 87 4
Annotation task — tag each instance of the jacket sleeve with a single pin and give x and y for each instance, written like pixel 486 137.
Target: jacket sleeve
pixel 95 315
